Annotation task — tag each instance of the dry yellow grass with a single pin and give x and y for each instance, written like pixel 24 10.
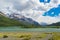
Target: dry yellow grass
pixel 31 35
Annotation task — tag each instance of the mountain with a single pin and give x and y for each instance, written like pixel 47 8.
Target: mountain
pixel 14 21
pixel 23 18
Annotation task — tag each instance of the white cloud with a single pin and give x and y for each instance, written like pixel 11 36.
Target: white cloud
pixel 30 8
pixel 48 20
pixel 43 8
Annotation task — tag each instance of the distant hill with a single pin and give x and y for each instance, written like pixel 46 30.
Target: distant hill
pixel 54 25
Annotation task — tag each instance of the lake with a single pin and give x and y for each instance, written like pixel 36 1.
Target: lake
pixel 14 29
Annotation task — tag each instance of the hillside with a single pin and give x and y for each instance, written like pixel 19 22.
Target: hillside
pixel 5 21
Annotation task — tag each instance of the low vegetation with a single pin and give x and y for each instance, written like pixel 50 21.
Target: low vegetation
pixel 30 36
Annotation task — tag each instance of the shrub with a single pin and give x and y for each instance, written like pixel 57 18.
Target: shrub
pixel 5 36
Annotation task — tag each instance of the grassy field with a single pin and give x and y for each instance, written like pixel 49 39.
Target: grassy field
pixel 29 36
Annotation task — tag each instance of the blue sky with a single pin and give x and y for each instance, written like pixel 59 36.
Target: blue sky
pixel 53 12
pixel 39 10
pixel 45 1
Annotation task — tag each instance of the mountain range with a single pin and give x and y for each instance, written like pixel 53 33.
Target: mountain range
pixel 17 20
pixel 23 18
pixel 20 20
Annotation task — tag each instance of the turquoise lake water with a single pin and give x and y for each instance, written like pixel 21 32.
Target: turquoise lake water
pixel 14 29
